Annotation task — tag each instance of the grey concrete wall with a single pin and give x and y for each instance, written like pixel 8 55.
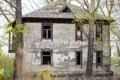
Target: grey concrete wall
pixel 63 46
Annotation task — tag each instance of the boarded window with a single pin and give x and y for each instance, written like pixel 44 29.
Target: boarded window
pixel 99 57
pixel 46 57
pixel 47 31
pixel 99 32
pixel 78 32
pixel 79 58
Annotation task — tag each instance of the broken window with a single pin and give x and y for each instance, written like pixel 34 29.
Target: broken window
pixel 47 31
pixel 99 55
pixel 78 33
pixel 79 58
pixel 46 57
pixel 99 32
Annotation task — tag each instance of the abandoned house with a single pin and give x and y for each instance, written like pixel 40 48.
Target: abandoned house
pixel 56 42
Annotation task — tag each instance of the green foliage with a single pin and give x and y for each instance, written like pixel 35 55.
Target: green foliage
pixel 16 28
pixel 1 74
pixel 109 18
pixel 98 40
pixel 84 16
pixel 6 63
pixel 9 27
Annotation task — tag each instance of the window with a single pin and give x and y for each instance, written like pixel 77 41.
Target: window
pixel 99 32
pixel 78 33
pixel 47 31
pixel 46 58
pixel 79 58
pixel 66 10
pixel 99 56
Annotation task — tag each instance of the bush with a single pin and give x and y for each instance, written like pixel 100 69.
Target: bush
pixel 6 67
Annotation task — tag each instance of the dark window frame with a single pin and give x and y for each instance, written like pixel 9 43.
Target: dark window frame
pixel 99 54
pixel 81 54
pixel 76 30
pixel 51 56
pixel 47 30
pixel 101 30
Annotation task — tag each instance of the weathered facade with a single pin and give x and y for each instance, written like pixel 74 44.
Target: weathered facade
pixel 56 43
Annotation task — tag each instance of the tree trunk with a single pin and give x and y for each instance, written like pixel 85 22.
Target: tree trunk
pixel 90 43
pixel 19 43
pixel 90 50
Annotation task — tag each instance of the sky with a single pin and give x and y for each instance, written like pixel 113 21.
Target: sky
pixel 26 5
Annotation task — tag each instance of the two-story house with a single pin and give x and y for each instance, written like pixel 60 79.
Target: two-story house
pixel 56 42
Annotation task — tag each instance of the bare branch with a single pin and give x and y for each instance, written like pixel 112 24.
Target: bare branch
pixel 31 5
pixel 111 6
pixel 115 33
pixel 4 15
pixel 102 11
pixel 13 15
pixel 117 11
pixel 109 9
pixel 26 7
pixel 98 3
pixel 107 5
pixel 76 21
pixel 10 4
pixel 47 1
pixel 87 10
pixel 86 4
pixel 35 3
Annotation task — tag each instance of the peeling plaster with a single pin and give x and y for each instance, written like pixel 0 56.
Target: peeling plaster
pixel 63 46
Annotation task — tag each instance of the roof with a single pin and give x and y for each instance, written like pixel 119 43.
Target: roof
pixel 54 10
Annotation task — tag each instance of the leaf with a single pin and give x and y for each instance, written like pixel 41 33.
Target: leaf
pixel 10 24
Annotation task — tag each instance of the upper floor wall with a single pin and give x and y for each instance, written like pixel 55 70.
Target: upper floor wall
pixel 63 35
pixel 60 35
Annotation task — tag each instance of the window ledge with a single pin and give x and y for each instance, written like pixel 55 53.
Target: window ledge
pixel 46 39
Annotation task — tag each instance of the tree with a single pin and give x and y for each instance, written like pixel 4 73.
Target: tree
pixel 92 7
pixel 19 43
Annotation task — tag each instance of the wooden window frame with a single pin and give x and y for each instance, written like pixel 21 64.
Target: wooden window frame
pixel 80 26
pixel 51 55
pixel 100 38
pixel 81 54
pixel 101 58
pixel 51 29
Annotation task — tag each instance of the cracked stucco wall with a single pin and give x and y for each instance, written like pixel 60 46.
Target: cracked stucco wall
pixel 63 46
